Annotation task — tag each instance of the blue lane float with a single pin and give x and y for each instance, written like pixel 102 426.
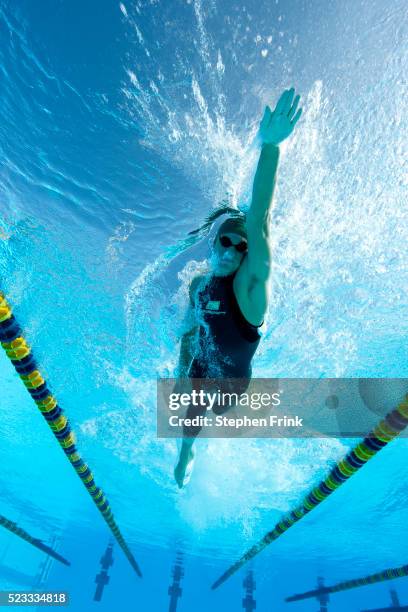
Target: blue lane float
pixel 388 429
pixel 24 535
pixel 19 352
pixel 388 574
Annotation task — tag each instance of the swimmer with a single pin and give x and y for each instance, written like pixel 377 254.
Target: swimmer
pixel 227 306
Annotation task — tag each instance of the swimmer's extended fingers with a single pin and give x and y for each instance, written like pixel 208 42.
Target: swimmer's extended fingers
pixel 295 113
pixel 287 105
pixel 293 108
pixel 282 102
pixel 269 116
pixel 276 126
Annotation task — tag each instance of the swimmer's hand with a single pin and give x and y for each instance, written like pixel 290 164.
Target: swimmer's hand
pixel 276 126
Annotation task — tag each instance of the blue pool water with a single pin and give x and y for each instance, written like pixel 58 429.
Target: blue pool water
pixel 121 126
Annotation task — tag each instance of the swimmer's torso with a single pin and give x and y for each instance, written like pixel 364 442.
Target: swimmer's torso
pixel 226 340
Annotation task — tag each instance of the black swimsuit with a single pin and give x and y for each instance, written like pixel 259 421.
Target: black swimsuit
pixel 227 341
pixel 226 345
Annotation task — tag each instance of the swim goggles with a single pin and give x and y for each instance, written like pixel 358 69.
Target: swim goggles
pixel 226 242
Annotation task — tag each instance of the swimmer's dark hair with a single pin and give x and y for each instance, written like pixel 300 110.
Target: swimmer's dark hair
pixel 234 214
pixel 201 232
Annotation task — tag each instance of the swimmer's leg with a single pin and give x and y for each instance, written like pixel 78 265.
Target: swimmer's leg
pixel 184 467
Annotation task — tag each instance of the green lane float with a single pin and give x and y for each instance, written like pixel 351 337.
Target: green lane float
pixel 20 355
pixel 21 533
pixel 388 429
pixel 388 574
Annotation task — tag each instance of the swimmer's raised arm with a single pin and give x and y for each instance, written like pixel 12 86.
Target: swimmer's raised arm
pixel 275 127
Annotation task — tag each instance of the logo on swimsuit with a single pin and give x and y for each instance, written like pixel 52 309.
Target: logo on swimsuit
pixel 213 306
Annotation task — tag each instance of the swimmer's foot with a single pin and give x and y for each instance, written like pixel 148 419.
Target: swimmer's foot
pixel 184 467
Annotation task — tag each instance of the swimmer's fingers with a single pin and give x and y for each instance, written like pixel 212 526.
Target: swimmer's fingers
pixel 293 108
pixel 280 107
pixel 288 101
pixel 276 126
pixel 296 118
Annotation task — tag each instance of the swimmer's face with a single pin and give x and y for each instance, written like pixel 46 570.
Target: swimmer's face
pixel 225 257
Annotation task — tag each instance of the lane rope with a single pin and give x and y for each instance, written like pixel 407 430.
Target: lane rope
pixel 388 574
pixel 388 429
pixel 20 355
pixel 24 535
